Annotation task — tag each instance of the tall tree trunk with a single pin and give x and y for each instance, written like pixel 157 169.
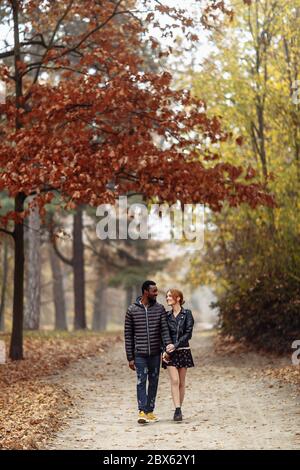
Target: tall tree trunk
pixel 260 76
pixel 4 285
pixel 129 295
pixel 78 265
pixel 58 291
pixel 261 136
pixel 136 291
pixel 16 344
pixel 100 308
pixel 33 265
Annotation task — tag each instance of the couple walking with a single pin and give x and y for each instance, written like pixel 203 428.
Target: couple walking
pixel 155 338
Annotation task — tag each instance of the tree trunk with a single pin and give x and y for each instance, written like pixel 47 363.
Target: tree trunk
pixel 58 291
pixel 78 265
pixel 261 136
pixel 33 265
pixel 16 343
pixel 100 310
pixel 136 291
pixel 129 295
pixel 4 285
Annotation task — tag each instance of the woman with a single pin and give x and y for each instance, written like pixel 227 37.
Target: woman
pixel 177 361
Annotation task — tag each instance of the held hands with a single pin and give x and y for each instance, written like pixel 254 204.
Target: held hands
pixel 166 357
pixel 170 348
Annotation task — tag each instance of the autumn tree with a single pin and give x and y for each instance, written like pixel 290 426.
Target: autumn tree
pixel 89 136
pixel 250 258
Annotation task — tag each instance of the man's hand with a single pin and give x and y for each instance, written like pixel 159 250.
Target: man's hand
pixel 170 348
pixel 131 365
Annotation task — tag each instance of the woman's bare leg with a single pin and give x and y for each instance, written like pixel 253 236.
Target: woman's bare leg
pixel 182 375
pixel 174 378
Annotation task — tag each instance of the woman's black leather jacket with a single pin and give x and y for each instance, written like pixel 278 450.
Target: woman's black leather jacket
pixel 181 327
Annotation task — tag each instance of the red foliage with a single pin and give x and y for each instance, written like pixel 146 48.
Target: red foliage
pixel 82 133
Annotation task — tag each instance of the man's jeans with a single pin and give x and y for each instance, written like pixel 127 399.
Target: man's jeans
pixel 147 367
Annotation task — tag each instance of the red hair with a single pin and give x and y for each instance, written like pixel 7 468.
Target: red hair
pixel 175 293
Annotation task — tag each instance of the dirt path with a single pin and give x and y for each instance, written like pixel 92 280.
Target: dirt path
pixel 229 405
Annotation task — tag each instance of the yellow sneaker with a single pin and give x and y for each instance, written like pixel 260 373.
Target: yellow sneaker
pixel 143 418
pixel 152 418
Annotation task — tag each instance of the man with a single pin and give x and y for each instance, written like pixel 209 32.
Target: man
pixel 145 329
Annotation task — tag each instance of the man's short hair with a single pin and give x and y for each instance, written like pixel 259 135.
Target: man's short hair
pixel 147 284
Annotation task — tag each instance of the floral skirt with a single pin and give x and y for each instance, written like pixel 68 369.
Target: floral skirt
pixel 179 358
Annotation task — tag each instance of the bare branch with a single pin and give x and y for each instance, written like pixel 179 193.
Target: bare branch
pixel 100 26
pixel 53 239
pixel 59 254
pixel 52 40
pixel 7 232
pixel 3 55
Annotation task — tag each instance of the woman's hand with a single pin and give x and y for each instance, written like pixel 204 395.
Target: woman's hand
pixel 170 348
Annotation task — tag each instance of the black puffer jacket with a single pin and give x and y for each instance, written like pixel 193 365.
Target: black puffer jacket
pixel 146 330
pixel 181 328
